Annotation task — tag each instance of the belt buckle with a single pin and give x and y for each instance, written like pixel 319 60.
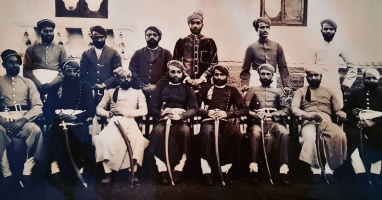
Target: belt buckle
pixel 18 107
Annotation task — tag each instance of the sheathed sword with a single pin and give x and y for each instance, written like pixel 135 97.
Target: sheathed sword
pixel 318 151
pixel 167 137
pixel 217 150
pixel 63 124
pixel 265 152
pixel 129 148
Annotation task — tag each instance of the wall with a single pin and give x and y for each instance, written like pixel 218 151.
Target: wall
pixel 229 22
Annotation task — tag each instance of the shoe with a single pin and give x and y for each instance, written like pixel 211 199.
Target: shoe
pixel 361 179
pixel 108 178
pixel 177 176
pixel 331 179
pixel 316 178
pixel 284 179
pixel 207 179
pixel 57 180
pixel 227 179
pixel 163 178
pixel 9 181
pixel 375 179
pixel 253 178
pixel 27 180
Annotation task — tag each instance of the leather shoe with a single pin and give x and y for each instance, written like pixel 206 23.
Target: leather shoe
pixel 177 176
pixel 284 179
pixel 57 180
pixel 227 179
pixel 207 179
pixel 253 178
pixel 331 179
pixel 375 179
pixel 163 178
pixel 316 178
pixel 108 178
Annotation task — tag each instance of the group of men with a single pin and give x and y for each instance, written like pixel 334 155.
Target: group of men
pixel 175 88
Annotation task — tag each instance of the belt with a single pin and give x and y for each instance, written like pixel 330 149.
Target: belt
pixel 13 108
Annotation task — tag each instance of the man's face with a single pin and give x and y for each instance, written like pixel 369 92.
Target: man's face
pixel 219 78
pixel 47 35
pixel 175 74
pixel 370 81
pixel 71 73
pixel 196 26
pixel 328 32
pixel 266 77
pixel 314 79
pixel 152 39
pixel 125 80
pixel 98 39
pixel 12 66
pixel 263 30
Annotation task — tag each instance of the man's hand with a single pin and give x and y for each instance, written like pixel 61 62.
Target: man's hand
pixel 149 88
pixel 341 116
pixel 254 114
pixel 314 116
pixel 219 114
pixel 67 118
pixel 15 127
pixel 365 123
pixel 356 111
pixel 197 81
pixel 189 81
pixel 99 86
pixel 288 91
pixel 244 88
pixel 116 112
pixel 166 112
pixel 174 116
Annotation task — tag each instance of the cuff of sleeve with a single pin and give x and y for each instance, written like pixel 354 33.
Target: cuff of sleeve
pixel 104 84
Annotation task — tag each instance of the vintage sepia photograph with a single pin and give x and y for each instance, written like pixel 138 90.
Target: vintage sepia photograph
pixel 190 99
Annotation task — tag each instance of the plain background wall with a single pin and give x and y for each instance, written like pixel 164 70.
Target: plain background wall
pixel 228 22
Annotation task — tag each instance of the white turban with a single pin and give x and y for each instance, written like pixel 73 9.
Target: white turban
pixel 314 68
pixel 122 71
pixel 373 71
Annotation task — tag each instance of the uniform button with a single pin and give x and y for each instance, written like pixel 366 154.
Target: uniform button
pixel 149 76
pixel 47 62
pixel 97 79
pixel 151 64
pixel 367 99
pixel 13 88
pixel 97 72
pixel 367 103
pixel 14 101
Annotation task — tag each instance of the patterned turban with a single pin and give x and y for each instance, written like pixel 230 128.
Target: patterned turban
pixel 266 66
pixel 176 64
pixel 373 71
pixel 8 53
pixel 195 15
pixel 122 71
pixel 155 29
pixel 71 63
pixel 330 22
pixel 98 29
pixel 261 19
pixel 45 23
pixel 222 68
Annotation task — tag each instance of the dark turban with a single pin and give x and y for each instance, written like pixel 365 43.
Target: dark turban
pixel 195 15
pixel 72 63
pixel 155 29
pixel 176 64
pixel 8 53
pixel 98 29
pixel 45 23
pixel 261 19
pixel 330 22
pixel 266 66
pixel 222 68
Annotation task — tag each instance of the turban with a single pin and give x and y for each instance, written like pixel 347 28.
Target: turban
pixel 45 23
pixel 314 68
pixel 222 68
pixel 373 71
pixel 155 29
pixel 98 29
pixel 176 64
pixel 261 19
pixel 195 15
pixel 268 67
pixel 8 53
pixel 72 63
pixel 330 22
pixel 122 71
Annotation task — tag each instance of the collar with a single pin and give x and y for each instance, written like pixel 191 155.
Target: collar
pixel 263 41
pixel 173 83
pixel 10 77
pixel 223 86
pixel 196 36
pixel 95 48
pixel 153 49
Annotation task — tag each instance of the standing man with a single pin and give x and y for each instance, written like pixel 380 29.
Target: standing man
pixel 177 102
pixel 265 97
pixel 42 60
pixel 99 62
pixel 264 51
pixel 219 99
pixel 367 99
pixel 197 52
pixel 71 102
pixel 20 104
pixel 149 64
pixel 316 104
pixel 326 56
pixel 125 103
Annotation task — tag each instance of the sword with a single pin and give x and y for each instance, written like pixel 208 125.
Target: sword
pixel 167 136
pixel 318 144
pixel 63 124
pixel 128 146
pixel 366 115
pixel 217 150
pixel 265 152
pixel 362 154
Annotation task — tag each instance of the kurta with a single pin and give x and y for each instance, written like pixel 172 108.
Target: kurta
pixel 42 56
pixel 20 90
pixel 324 101
pixel 276 136
pixel 100 70
pixel 172 96
pixel 366 100
pixel 198 53
pixel 260 53
pixel 226 99
pixel 110 146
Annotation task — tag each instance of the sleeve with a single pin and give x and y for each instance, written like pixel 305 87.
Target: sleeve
pixel 351 75
pixel 192 107
pixel 89 104
pixel 282 108
pixel 142 107
pixel 336 105
pixel 28 66
pixel 178 50
pixel 241 108
pixel 62 58
pixel 133 67
pixel 214 60
pixel 249 95
pixel 282 65
pixel 296 103
pixel 101 108
pixel 200 95
pixel 84 67
pixel 116 62
pixel 35 102
pixel 245 70
pixel 155 104
pixel 349 106
pixel 50 105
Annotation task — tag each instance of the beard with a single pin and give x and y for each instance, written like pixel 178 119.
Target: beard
pixel 195 31
pixel 99 45
pixel 175 80
pixel 13 71
pixel 47 39
pixel 266 82
pixel 152 43
pixel 314 83
pixel 125 85
pixel 371 85
pixel 220 82
pixel 328 36
pixel 71 78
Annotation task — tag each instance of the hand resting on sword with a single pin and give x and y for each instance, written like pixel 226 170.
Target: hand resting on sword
pixel 218 114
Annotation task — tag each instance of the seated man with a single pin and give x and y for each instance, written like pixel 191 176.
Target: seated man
pixel 219 99
pixel 20 104
pixel 368 99
pixel 72 102
pixel 266 97
pixel 316 104
pixel 177 102
pixel 125 104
